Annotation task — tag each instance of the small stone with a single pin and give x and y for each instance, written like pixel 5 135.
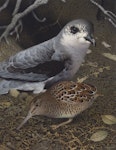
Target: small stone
pixel 14 93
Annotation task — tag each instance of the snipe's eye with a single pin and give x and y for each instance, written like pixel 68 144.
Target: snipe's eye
pixel 74 29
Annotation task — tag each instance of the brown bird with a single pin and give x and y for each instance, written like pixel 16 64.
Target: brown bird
pixel 65 99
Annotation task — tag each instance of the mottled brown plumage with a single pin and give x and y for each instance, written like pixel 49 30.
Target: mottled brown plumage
pixel 65 99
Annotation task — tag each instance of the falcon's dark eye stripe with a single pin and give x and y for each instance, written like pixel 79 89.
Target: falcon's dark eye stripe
pixel 74 29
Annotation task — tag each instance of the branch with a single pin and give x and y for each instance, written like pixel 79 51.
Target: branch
pixel 4 5
pixel 44 19
pixel 16 24
pixel 36 4
pixel 18 16
pixel 37 18
pixel 18 3
pixel 111 17
pixel 54 23
pixel 18 29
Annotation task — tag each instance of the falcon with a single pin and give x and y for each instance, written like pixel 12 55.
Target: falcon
pixel 39 67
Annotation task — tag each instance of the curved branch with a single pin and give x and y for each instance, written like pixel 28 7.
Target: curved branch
pixel 110 15
pixel 37 18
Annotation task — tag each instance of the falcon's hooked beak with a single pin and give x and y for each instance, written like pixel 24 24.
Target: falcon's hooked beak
pixel 90 39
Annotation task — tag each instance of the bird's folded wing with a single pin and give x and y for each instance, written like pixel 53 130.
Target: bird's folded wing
pixel 24 77
pixel 32 64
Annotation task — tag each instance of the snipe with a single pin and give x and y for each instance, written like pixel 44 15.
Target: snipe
pixel 65 99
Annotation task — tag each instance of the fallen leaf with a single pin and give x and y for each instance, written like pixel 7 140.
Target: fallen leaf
pixel 110 56
pixel 100 69
pixel 14 93
pixel 89 51
pixel 96 74
pixel 92 64
pixel 80 80
pixel 109 119
pixel 99 136
pixel 5 104
pixel 107 67
pixel 106 45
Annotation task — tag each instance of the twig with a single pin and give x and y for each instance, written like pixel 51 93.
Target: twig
pixel 18 29
pixel 110 15
pixel 44 19
pixel 54 23
pixel 16 22
pixel 18 3
pixel 37 18
pixel 4 5
pixel 35 15
pixel 18 16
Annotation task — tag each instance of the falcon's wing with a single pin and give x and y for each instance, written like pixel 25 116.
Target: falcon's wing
pixel 32 64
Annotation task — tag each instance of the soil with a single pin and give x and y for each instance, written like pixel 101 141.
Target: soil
pixel 37 133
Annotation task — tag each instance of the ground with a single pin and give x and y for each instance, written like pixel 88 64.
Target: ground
pixel 37 133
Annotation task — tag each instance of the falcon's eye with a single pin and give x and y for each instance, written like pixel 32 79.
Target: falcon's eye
pixel 74 29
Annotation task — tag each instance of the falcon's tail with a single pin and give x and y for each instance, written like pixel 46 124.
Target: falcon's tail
pixel 6 85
